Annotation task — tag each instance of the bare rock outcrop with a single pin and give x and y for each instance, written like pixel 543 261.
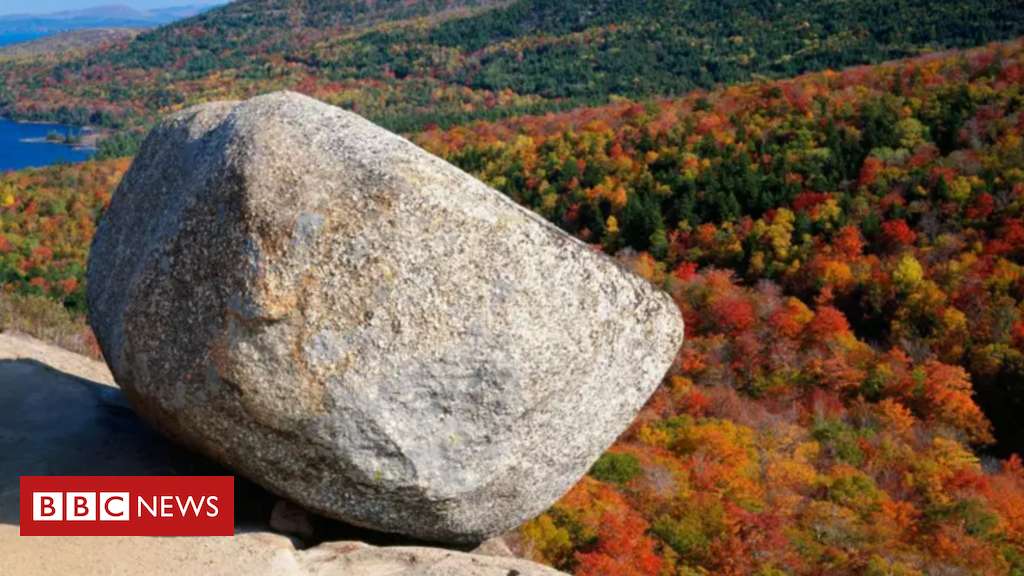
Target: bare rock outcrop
pixel 361 327
pixel 358 559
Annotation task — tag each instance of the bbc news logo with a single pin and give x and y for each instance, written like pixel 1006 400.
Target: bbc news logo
pixel 114 506
pixel 127 505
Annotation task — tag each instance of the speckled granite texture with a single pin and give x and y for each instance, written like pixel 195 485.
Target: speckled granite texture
pixel 360 326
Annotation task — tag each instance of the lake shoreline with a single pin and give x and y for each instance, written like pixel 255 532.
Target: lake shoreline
pixel 88 142
pixel 90 136
pixel 20 144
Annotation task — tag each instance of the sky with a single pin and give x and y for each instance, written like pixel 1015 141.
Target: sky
pixel 44 6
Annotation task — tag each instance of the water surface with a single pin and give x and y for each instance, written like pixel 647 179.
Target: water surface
pixel 16 154
pixel 15 37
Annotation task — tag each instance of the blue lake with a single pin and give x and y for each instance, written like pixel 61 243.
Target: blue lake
pixel 16 154
pixel 15 37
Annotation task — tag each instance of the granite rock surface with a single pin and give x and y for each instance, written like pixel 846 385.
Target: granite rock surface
pixel 360 326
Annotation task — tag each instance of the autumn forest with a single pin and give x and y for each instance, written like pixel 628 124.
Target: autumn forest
pixel 832 192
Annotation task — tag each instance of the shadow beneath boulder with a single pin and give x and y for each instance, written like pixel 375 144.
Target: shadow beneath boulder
pixel 57 424
pixel 328 530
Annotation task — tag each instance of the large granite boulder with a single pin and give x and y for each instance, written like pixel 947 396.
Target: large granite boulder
pixel 361 327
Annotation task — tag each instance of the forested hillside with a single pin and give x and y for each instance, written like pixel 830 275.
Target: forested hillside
pixel 873 218
pixel 407 64
pixel 894 193
pixel 47 220
pixel 847 245
pixel 848 251
pixel 79 40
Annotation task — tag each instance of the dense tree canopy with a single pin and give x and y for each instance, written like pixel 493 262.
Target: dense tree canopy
pixel 407 64
pixel 47 220
pixel 893 193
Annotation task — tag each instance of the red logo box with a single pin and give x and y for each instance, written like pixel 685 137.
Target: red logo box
pixel 127 506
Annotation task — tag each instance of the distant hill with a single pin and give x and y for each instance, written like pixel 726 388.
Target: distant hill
pixel 107 16
pixel 65 41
